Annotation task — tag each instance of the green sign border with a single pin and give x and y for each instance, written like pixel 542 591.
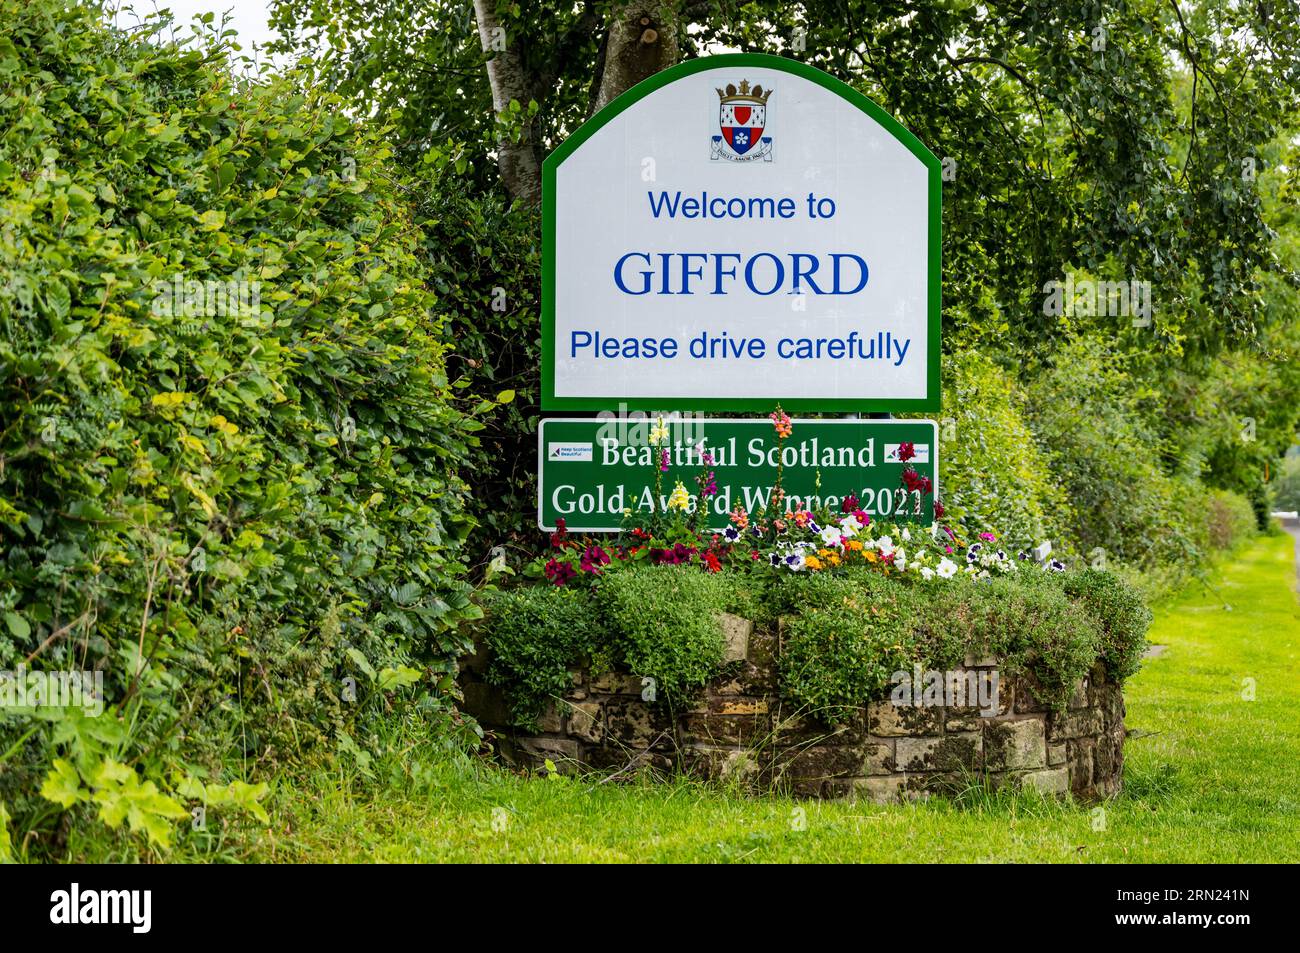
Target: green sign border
pixel 643 89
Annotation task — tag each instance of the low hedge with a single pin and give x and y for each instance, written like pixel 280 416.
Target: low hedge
pixel 843 635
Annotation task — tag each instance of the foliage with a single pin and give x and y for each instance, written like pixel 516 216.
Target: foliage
pixel 663 621
pixel 1231 520
pixel 1086 412
pixel 847 637
pixel 229 453
pixel 1123 616
pixel 1026 621
pixel 993 472
pixel 1286 484
pixel 538 633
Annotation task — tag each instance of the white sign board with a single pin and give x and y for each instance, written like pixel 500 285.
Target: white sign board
pixel 737 231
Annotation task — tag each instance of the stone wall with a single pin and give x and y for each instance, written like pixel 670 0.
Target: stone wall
pixel 739 729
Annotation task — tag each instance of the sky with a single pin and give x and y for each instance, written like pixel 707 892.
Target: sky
pixel 247 17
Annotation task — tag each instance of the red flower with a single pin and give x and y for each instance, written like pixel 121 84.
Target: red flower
pixel 938 510
pixel 711 562
pixel 594 558
pixel 906 451
pixel 560 538
pixel 559 573
pixel 914 481
pixel 849 504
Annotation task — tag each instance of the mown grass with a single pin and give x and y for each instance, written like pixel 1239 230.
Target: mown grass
pixel 1210 776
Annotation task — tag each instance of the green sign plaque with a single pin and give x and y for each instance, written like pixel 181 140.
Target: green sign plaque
pixel 592 470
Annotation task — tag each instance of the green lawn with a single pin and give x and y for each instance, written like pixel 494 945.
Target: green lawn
pixel 1210 776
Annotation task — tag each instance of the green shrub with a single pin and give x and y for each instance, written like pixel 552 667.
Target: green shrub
pixel 1086 412
pixel 537 634
pixel 1286 484
pixel 1230 519
pixel 992 472
pixel 226 510
pixel 1119 609
pixel 663 621
pixel 1026 621
pixel 847 636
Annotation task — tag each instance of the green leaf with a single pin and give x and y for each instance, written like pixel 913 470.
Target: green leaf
pixel 6 843
pixel 212 220
pixel 361 661
pixel 17 625
pixel 62 785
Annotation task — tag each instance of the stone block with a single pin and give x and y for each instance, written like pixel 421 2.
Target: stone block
pixel 1080 698
pixel 877 758
pixel 961 751
pixel 1054 781
pixel 822 761
pixel 586 722
pixel 883 790
pixel 628 763
pixel 720 763
pixel 485 703
pixel 634 723
pixel 738 705
pixel 889 720
pixel 1056 754
pixel 565 753
pixel 762 650
pixel 1080 763
pixel 1029 694
pixel 1084 722
pixel 549 720
pixel 735 633
pixel 613 683
pixel 1012 745
pixel 712 728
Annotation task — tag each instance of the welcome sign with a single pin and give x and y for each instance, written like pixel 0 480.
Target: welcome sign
pixel 737 231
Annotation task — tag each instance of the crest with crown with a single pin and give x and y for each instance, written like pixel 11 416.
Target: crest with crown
pixel 758 95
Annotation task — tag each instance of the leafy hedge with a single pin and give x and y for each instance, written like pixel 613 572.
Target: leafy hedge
pixel 992 471
pixel 659 622
pixel 842 636
pixel 226 510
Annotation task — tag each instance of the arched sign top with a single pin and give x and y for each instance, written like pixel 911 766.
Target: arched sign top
pixel 737 231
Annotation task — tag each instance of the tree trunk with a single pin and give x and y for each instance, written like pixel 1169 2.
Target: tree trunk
pixel 642 40
pixel 520 165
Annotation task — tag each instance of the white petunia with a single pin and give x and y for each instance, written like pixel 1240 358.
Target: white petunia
pixel 831 536
pixel 947 568
pixel 850 525
pixel 885 545
pixel 927 572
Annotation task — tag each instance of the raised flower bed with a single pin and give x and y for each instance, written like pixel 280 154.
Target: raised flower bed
pixel 827 652
pixel 739 728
